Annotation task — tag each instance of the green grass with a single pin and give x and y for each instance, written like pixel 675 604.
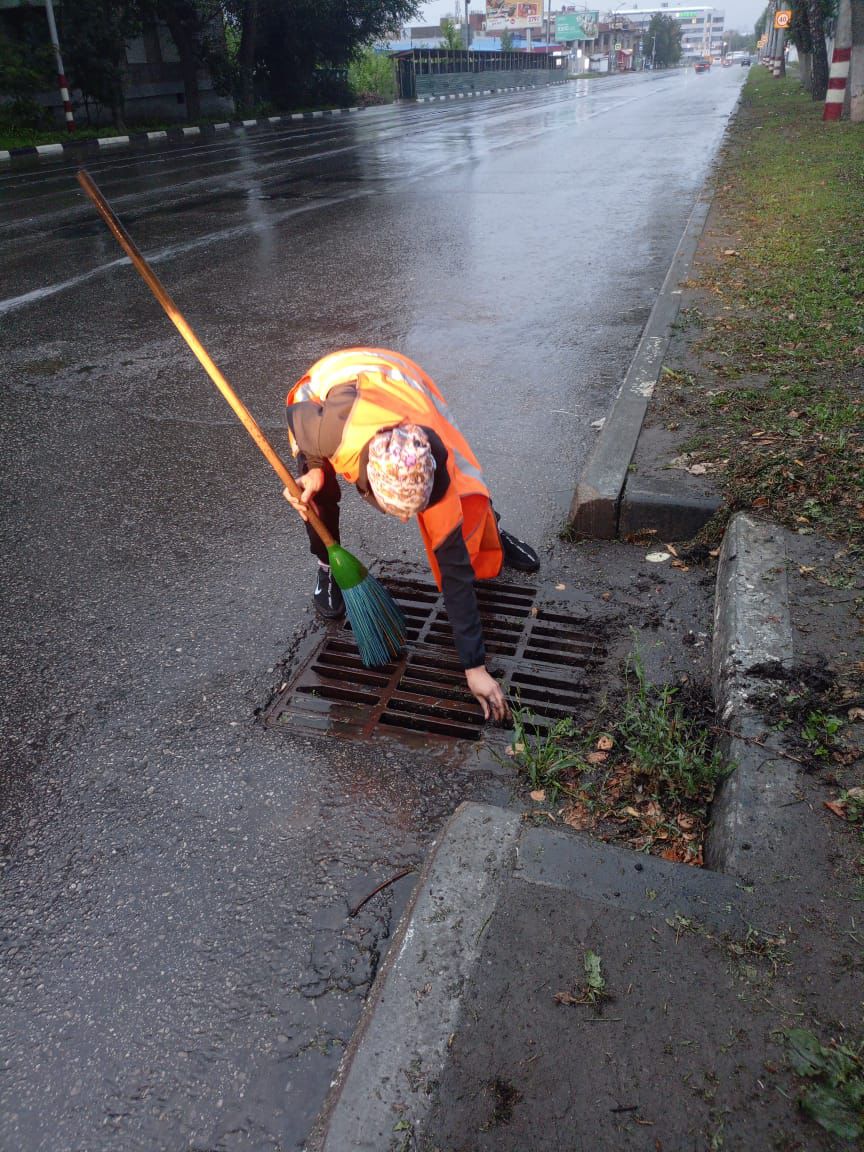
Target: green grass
pixel 543 757
pixel 641 773
pixel 834 1092
pixel 788 309
pixel 670 751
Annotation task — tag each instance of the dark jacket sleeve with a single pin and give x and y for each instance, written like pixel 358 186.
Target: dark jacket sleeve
pixel 460 599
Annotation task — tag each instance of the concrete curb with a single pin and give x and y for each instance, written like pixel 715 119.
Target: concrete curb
pixel 401 1040
pixel 77 149
pixel 597 500
pixel 753 815
pixel 486 92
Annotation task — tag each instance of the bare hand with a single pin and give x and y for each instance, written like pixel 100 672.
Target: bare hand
pixel 487 691
pixel 310 483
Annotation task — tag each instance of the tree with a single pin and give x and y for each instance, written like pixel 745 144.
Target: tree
pixel 94 35
pixel 197 29
pixel 816 14
pixel 26 67
pixel 302 48
pixel 372 78
pixel 799 34
pixel 506 40
pixel 451 34
pixel 662 40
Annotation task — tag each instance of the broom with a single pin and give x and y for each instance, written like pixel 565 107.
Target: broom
pixel 376 620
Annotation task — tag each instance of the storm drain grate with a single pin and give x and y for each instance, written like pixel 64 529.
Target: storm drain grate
pixel 545 656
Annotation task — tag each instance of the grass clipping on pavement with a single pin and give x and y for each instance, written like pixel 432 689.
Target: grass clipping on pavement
pixel 778 387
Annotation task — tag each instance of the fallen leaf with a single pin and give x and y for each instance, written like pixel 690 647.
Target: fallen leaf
pixel 605 743
pixel 730 252
pixel 698 469
pixel 539 795
pixel 684 821
pixel 535 611
pixel 631 811
pixel 597 757
pixel 837 809
pixel 514 749
pixel 680 565
pixel 855 714
pixel 606 596
pixel 578 818
pixel 566 998
pixel 680 461
pixel 560 587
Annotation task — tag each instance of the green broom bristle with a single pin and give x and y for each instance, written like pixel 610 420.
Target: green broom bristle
pixel 375 618
pixel 376 621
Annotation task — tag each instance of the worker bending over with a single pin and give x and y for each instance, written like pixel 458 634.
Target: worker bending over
pixel 375 418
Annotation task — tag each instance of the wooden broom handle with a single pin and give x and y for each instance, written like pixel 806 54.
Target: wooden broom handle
pixel 241 411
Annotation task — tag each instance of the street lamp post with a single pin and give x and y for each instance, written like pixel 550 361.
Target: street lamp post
pixel 467 27
pixel 653 49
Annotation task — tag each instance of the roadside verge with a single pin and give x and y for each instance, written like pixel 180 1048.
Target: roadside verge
pixel 81 149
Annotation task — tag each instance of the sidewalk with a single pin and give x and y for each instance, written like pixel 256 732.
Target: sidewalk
pixel 484 1030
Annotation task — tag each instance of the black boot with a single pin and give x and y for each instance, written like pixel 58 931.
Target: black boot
pixel 518 554
pixel 327 596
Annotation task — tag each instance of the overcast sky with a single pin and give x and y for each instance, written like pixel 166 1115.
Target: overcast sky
pixel 741 15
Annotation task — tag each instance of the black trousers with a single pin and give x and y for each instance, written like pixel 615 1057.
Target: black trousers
pixel 327 503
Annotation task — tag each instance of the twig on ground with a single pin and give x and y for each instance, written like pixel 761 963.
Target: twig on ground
pixel 405 872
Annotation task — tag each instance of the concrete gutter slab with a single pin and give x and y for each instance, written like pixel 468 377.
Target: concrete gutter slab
pixel 387 1082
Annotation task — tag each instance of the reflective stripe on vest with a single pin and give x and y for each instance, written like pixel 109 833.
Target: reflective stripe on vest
pixel 391 389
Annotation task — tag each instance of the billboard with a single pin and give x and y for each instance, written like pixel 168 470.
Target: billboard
pixel 513 14
pixel 576 25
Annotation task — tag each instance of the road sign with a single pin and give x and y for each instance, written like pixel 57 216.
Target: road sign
pixel 618 47
pixel 783 18
pixel 763 40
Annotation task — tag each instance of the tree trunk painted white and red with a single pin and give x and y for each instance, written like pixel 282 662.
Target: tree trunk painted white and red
pixel 838 77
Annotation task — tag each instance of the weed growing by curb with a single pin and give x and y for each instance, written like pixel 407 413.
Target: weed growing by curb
pixel 834 1097
pixel 643 772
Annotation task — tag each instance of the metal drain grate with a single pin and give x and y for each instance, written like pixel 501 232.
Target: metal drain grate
pixel 544 656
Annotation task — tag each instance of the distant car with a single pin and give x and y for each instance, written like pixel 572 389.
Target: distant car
pixel 701 66
pixel 745 62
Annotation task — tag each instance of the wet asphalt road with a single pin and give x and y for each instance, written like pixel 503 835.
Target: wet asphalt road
pixel 178 969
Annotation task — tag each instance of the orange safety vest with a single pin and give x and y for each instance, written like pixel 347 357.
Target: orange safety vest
pixel 391 390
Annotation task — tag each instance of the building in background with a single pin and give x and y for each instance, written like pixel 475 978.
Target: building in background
pixel 613 41
pixel 702 28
